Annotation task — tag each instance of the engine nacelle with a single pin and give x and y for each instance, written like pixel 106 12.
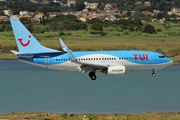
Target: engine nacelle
pixel 115 70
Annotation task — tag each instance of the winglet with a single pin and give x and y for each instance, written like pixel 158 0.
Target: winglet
pixel 65 48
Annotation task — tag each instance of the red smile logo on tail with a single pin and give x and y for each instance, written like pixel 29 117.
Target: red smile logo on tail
pixel 24 45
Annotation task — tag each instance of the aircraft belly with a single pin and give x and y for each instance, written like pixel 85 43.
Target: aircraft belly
pixel 68 66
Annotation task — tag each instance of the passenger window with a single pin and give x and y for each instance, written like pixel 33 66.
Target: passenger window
pixel 96 58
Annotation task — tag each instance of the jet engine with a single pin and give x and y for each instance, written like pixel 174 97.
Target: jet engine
pixel 115 70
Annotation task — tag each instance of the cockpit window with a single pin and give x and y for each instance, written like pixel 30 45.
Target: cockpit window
pixel 161 56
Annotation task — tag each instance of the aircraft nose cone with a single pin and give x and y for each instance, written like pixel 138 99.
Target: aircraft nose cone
pixel 168 60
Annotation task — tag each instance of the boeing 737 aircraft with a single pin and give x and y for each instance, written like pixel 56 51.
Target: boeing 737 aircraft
pixel 112 63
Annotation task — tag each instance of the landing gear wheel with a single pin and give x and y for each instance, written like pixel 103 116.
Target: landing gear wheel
pixel 92 75
pixel 153 74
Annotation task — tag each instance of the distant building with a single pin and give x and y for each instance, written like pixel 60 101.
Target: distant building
pixel 147 3
pixel 4 18
pixel 156 11
pixel 138 3
pixel 33 1
pixel 3 0
pixel 112 18
pixel 8 12
pixel 45 2
pixel 115 9
pixel 23 13
pixel 39 13
pixel 146 13
pixel 124 12
pixel 133 12
pixel 155 20
pixel 175 10
pixel 91 5
pixel 107 7
pixel 71 2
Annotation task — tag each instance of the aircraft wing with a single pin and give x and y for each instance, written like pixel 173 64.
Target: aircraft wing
pixel 84 66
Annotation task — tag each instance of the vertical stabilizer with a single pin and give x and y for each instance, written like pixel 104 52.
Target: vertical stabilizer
pixel 26 42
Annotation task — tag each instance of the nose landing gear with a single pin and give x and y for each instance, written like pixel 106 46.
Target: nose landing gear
pixel 153 73
pixel 92 75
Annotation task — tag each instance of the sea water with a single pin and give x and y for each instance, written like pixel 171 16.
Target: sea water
pixel 25 88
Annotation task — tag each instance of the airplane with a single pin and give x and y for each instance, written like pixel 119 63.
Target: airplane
pixel 112 63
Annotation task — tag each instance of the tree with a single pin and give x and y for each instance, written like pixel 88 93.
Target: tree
pixel 94 20
pixel 97 26
pixel 149 29
pixel 117 16
pixel 24 20
pixel 82 26
pixel 107 23
pixel 137 22
pixel 128 13
pixel 131 28
pixel 80 6
pixel 167 17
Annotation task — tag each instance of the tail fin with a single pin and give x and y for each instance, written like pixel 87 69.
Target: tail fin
pixel 26 42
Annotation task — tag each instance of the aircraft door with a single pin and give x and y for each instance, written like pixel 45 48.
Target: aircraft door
pixel 46 60
pixel 151 58
pixel 102 59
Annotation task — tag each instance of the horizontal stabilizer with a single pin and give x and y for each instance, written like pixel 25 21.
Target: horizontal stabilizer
pixel 22 55
pixel 15 52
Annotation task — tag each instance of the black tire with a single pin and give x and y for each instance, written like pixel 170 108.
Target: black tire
pixel 92 75
pixel 153 74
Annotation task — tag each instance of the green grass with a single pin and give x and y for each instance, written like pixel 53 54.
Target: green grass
pixel 8 56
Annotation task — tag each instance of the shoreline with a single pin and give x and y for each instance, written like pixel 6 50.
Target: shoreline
pixel 91 116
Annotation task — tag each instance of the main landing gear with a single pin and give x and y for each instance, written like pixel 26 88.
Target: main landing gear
pixel 92 75
pixel 153 73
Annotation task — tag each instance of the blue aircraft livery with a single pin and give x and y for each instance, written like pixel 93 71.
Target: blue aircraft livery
pixel 111 63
